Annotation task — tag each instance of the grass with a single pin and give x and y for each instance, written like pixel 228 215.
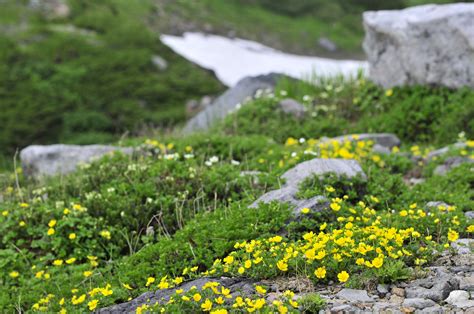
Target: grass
pixel 179 210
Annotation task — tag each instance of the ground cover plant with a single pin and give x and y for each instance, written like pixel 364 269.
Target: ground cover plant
pixel 178 209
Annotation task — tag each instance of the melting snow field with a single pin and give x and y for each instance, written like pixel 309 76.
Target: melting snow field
pixel 234 59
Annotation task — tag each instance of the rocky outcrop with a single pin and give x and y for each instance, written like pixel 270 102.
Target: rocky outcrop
pixel 429 44
pixel 51 8
pixel 237 286
pixel 48 160
pixel 383 140
pixel 451 163
pixel 244 90
pixel 314 167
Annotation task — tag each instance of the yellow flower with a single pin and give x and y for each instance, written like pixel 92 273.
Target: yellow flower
pixel 92 304
pixel 40 274
pixel 343 276
pixel 87 273
pixel 403 213
pixel 52 223
pixel 149 281
pixel 207 305
pixel 335 207
pixel 241 270
pixel 330 189
pixel 305 210
pixel 71 260
pixel 75 300
pixel 105 234
pixel 260 289
pixel 127 286
pixel 14 274
pixel 197 297
pixel 320 272
pixel 282 265
pixel 51 231
pixel 452 235
pixel 219 311
pixel 24 205
pixel 58 262
pixel 377 262
pixel 22 223
pixel 66 211
pixel 5 213
pixel 389 92
pixel 470 229
pixel 72 236
pixel 248 264
pixel 178 280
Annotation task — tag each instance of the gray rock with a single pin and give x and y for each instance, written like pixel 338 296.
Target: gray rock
pixel 341 167
pixel 51 8
pixel 344 308
pixel 382 289
pixel 245 89
pixel 450 163
pixel 237 286
pixel 327 44
pixel 418 303
pixel 466 304
pixel 354 295
pixel 457 296
pixel 385 140
pixel 436 204
pixel 463 246
pixel 467 283
pixel 469 214
pixel 436 309
pixel 444 150
pixel 291 106
pixel 429 44
pixel 159 62
pixel 299 173
pixel 435 287
pixel 48 160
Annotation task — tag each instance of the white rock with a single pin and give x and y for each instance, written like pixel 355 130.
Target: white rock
pixel 429 44
pixel 457 296
pixel 47 160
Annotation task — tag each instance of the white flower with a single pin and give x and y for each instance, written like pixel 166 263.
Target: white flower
pixel 214 159
pixel 283 93
pixel 110 190
pixel 302 140
pixel 208 163
pixel 188 156
pixel 306 98
pixel 294 154
pixel 235 162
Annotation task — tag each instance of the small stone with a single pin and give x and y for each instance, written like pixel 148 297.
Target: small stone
pixel 396 299
pixel 291 106
pixel 354 295
pixel 437 309
pixel 344 308
pixel 457 296
pixel 418 303
pixel 469 304
pixel 469 214
pixel 382 289
pixel 463 246
pixel 398 291
pixel 467 283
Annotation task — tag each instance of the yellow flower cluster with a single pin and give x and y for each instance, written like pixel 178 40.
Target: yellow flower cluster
pixel 215 298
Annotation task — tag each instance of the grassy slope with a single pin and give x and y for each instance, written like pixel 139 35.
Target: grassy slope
pixel 88 87
pixel 199 211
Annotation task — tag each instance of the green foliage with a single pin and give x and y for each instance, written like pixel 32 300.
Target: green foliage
pixel 337 106
pixel 312 303
pixel 92 79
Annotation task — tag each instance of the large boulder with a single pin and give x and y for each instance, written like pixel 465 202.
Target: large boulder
pixel 244 90
pixel 48 160
pixel 295 176
pixel 429 44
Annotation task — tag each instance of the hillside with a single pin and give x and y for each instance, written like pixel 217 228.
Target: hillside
pixel 179 209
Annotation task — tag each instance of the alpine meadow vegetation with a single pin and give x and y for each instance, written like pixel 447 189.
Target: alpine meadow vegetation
pixel 178 209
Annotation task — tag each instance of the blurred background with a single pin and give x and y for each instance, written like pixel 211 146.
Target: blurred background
pixel 92 71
